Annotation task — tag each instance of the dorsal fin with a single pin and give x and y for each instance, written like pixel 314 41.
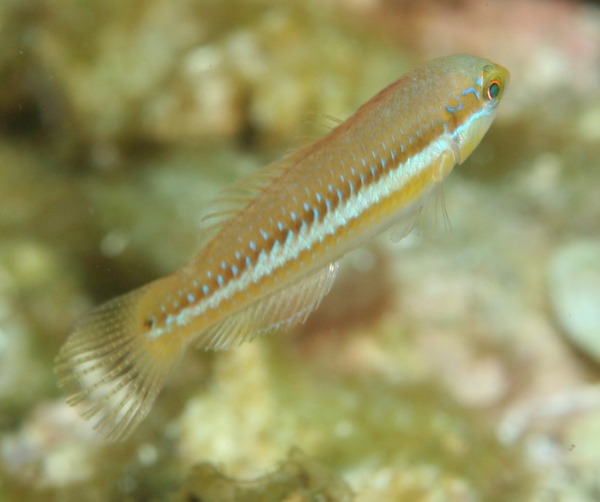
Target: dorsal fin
pixel 282 309
pixel 241 193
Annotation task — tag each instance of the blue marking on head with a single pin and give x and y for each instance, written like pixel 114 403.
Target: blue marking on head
pixel 456 108
pixel 238 255
pixel 220 280
pixel 191 298
pixel 293 216
pixel 264 234
pixel 373 172
pixel 328 204
pixel 223 265
pixel 289 237
pixel 248 262
pixel 469 91
pixel 351 187
pixel 330 188
pixel 364 163
pixel 340 195
pixel 280 226
pixel 318 197
pixel 393 155
pixel 209 274
pixel 342 178
pixel 306 207
pixel 234 270
pixel 382 163
pixel 205 289
pixel 252 245
pixel 362 179
pixel 316 214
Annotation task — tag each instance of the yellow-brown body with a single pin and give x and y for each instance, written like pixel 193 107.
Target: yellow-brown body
pixel 270 260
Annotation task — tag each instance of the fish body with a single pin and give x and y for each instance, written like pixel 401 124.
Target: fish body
pixel 270 260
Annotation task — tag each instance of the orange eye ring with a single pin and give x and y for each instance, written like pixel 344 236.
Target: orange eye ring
pixel 493 89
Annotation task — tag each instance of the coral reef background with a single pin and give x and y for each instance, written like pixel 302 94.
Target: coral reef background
pixel 460 364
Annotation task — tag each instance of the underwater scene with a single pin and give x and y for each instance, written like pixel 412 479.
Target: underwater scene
pixel 300 251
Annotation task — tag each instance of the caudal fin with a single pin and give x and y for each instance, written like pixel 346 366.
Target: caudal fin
pixel 111 369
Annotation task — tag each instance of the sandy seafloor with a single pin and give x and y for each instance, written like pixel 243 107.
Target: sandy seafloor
pixel 460 364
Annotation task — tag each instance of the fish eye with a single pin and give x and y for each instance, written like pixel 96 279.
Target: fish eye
pixel 493 90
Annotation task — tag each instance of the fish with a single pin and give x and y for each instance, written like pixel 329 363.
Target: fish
pixel 271 251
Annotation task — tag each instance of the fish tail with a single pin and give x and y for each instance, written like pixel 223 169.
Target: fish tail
pixel 111 369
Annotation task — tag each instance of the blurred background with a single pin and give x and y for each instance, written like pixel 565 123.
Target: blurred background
pixel 460 364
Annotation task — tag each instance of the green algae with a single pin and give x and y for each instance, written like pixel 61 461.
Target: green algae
pixel 408 428
pixel 297 478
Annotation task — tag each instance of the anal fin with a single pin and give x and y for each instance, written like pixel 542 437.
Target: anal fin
pixel 279 310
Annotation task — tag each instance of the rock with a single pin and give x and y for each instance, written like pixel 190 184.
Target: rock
pixel 574 289
pixel 298 478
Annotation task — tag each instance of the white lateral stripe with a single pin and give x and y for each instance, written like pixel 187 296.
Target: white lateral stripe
pixel 351 209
